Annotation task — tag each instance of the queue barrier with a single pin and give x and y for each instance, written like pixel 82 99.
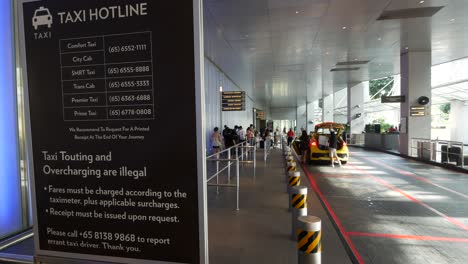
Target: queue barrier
pixel 240 157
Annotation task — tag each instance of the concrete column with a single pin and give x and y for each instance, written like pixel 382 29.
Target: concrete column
pixel 301 117
pixel 465 125
pixel 310 116
pixel 356 96
pixel 457 119
pixel 340 101
pixel 328 108
pixel 415 82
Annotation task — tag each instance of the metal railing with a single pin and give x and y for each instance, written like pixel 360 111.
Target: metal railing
pixel 15 258
pixel 441 151
pixel 242 157
pixel 267 148
pixel 356 139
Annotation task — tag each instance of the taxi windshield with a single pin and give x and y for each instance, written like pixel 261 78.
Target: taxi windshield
pixel 41 13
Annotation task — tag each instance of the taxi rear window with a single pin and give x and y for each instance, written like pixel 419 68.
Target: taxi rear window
pixel 323 131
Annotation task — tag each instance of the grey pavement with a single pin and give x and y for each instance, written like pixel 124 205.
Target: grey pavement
pixel 396 210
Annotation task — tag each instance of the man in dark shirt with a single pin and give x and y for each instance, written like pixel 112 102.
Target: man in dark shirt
pixel 333 145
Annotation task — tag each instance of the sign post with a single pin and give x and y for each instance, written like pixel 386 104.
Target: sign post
pixel 100 78
pixel 393 99
pixel 233 101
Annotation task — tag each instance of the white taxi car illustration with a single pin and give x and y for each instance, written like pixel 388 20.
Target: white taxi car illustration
pixel 42 17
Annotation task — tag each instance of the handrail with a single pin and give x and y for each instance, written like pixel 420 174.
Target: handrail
pixel 225 150
pixel 445 155
pixel 239 158
pixel 266 148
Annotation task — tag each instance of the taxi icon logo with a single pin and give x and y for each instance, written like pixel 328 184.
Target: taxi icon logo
pixel 42 17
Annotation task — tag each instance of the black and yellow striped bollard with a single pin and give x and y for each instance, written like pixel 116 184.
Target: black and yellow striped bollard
pixel 309 240
pixel 294 180
pixel 287 159
pixel 298 206
pixel 290 167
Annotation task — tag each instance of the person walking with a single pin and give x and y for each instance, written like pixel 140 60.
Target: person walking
pixel 216 140
pixel 290 136
pixel 277 137
pixel 332 146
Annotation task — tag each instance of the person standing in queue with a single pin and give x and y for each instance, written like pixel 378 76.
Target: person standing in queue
pixel 332 146
pixel 290 136
pixel 250 136
pixel 267 139
pixel 241 134
pixel 216 140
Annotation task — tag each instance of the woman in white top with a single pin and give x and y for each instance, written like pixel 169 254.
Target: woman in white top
pixel 216 140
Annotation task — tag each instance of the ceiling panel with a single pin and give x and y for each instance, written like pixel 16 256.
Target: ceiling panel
pixel 293 44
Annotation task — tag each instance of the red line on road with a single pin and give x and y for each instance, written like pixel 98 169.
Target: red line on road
pixel 423 238
pixel 314 185
pixel 414 176
pixel 342 176
pixel 388 185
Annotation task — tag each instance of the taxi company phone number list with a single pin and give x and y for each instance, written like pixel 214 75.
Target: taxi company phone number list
pixel 107 77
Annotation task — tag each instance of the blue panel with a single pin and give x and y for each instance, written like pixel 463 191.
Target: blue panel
pixel 10 197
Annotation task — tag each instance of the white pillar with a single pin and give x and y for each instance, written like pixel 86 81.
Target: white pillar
pixel 457 118
pixel 415 82
pixel 340 101
pixel 356 95
pixel 310 116
pixel 328 107
pixel 301 117
pixel 465 124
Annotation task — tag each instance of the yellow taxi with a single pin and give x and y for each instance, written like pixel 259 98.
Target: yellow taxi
pixel 319 143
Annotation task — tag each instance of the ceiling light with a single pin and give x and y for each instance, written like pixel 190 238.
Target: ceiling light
pixel 406 48
pixel 379 39
pixel 328 53
pixel 220 88
pixel 297 12
pixel 355 59
pixel 422 2
pixel 344 28
pixel 452 20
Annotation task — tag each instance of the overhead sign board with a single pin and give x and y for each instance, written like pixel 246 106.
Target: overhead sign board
pixel 418 111
pixel 393 99
pixel 261 115
pixel 233 101
pixel 100 86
